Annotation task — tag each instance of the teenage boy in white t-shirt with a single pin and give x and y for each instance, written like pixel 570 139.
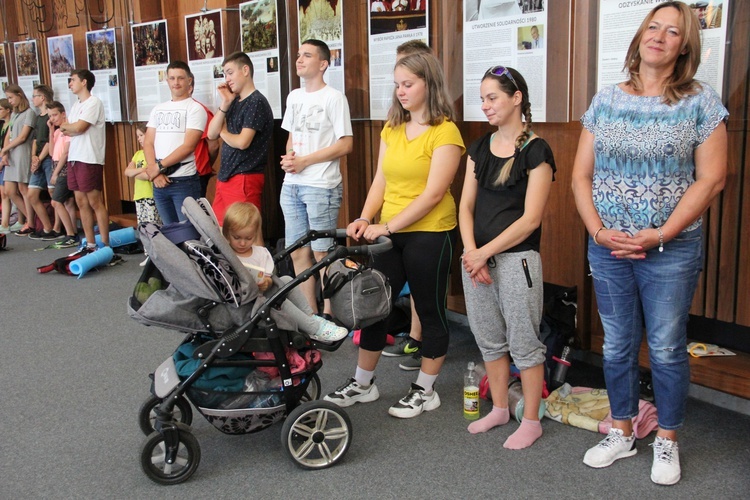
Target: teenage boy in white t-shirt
pixel 320 133
pixel 174 129
pixel 85 128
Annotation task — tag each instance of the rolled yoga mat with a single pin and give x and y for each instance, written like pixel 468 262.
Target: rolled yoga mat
pixel 94 259
pixel 119 238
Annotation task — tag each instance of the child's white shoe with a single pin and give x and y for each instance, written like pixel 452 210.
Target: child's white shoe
pixel 328 331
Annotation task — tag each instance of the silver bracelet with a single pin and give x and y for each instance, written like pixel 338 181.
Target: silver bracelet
pixel 661 240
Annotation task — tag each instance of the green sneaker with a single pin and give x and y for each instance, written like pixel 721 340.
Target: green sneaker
pixel 404 346
pixel 412 363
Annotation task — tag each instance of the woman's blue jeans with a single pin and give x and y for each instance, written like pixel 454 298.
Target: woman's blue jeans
pixel 656 292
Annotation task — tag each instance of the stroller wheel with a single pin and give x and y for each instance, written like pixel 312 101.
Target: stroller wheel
pixel 316 434
pixel 313 390
pixel 154 458
pixel 182 413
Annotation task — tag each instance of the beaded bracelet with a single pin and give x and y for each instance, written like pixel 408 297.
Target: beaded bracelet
pixel 661 240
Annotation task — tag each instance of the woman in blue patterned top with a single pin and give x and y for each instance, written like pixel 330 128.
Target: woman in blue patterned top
pixel 651 158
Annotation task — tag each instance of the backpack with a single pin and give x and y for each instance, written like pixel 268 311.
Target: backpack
pixel 360 295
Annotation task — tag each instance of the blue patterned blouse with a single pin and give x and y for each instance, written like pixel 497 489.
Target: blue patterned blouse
pixel 644 153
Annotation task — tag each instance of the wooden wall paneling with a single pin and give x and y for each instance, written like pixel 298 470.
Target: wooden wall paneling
pixel 731 203
pixel 559 38
pixel 739 108
pixel 736 97
pixel 743 262
pixel 583 60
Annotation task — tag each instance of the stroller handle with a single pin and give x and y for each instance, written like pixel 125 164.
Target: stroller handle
pixel 381 244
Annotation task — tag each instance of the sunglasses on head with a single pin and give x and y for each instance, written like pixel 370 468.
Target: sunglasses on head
pixel 502 71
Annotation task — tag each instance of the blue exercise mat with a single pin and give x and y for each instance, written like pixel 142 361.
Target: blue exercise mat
pixel 88 262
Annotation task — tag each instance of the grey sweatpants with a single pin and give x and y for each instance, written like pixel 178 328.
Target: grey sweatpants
pixel 505 315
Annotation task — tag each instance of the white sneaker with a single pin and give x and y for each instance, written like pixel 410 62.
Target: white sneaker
pixel 666 467
pixel 351 392
pixel 144 262
pixel 4 230
pixel 414 403
pixel 328 331
pixel 613 447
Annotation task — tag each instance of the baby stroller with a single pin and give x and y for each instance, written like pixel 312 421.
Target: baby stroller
pixel 195 284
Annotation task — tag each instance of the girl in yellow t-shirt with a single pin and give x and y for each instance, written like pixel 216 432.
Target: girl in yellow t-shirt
pixel 143 192
pixel 420 149
pixel 145 207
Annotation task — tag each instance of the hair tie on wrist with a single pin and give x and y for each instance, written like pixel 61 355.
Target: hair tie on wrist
pixel 597 234
pixel 364 219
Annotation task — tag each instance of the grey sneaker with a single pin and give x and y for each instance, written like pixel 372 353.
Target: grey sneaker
pixel 412 363
pixel 351 392
pixel 404 346
pixel 613 447
pixel 666 467
pixel 414 403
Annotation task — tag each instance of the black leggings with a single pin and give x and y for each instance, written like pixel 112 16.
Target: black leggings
pixel 423 259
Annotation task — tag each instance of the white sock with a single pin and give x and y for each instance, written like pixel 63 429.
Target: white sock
pixel 364 377
pixel 426 381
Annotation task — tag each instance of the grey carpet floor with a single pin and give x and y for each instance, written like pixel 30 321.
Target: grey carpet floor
pixel 74 371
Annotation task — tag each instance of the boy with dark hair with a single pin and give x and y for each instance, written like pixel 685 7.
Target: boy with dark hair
pixel 62 198
pixel 174 129
pixel 41 165
pixel 320 133
pixel 85 127
pixel 244 121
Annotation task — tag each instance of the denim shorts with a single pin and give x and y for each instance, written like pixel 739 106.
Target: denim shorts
pixel 43 175
pixel 307 207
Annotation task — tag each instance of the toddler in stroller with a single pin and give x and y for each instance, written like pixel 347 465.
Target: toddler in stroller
pixel 242 224
pixel 195 283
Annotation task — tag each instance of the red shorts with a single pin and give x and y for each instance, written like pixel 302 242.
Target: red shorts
pixel 85 177
pixel 241 187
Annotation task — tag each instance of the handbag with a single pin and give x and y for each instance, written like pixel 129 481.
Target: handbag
pixel 360 296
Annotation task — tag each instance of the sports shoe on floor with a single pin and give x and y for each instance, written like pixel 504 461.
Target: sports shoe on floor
pixel 613 447
pixel 68 242
pixel 404 346
pixel 414 403
pixel 24 231
pixel 412 363
pixel 351 392
pixel 52 235
pixel 328 331
pixel 116 259
pixel 42 235
pixel 4 230
pixel 16 227
pixel 666 467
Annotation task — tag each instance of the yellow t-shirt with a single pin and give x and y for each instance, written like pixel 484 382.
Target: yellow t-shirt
pixel 142 189
pixel 406 166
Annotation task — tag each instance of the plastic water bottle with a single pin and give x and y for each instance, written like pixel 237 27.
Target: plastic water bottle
pixel 471 393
